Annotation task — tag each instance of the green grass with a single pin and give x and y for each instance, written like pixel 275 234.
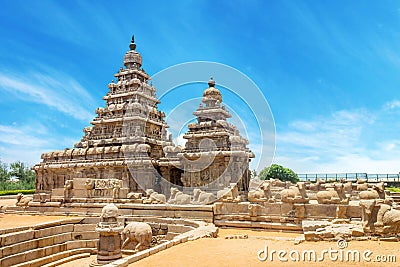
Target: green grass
pixel 393 189
pixel 14 192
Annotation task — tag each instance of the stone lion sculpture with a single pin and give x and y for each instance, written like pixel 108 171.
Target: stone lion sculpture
pixel 23 200
pixel 177 197
pixel 201 197
pixel 229 194
pixel 154 197
pixel 138 233
pixel 334 195
pixel 262 194
pixel 295 194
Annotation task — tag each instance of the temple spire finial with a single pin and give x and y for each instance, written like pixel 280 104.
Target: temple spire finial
pixel 132 46
pixel 211 82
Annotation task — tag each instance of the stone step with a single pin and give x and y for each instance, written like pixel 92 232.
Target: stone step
pixel 67 259
pixel 36 248
pixel 54 257
pixel 260 225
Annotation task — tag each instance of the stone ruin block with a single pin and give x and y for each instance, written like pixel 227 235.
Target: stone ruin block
pixel 325 230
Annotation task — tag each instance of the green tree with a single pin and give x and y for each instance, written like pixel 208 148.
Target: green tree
pixel 276 171
pixel 4 175
pixel 22 172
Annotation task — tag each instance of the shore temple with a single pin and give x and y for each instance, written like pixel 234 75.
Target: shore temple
pixel 128 147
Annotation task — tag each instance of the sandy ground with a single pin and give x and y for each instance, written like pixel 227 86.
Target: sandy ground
pixel 243 252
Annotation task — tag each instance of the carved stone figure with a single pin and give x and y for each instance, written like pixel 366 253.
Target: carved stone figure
pixel 376 192
pixel 279 183
pixel 367 207
pixel 177 197
pixel 295 194
pixel 334 195
pixel 202 198
pixel 89 186
pixel 348 187
pixel 361 185
pixel 109 213
pixel 134 195
pixel 67 189
pixel 380 216
pixel 318 185
pixel 139 233
pixel 116 189
pixel 23 200
pixel 154 197
pixel 229 194
pixel 389 219
pixel 263 193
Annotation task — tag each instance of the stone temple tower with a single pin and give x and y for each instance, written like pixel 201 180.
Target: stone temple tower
pixel 124 141
pixel 215 154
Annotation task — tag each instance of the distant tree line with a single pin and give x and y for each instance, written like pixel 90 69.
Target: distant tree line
pixel 16 175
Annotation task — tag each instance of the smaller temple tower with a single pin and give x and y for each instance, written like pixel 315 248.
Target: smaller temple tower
pixel 215 154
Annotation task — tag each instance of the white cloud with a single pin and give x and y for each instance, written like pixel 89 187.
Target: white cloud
pixel 392 104
pixel 53 89
pixel 19 136
pixel 345 141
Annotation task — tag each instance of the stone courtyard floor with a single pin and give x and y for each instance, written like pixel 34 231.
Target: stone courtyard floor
pixel 232 252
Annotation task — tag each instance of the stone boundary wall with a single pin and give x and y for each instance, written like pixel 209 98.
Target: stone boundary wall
pixel 195 212
pixel 276 216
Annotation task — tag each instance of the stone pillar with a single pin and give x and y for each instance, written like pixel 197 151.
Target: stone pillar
pixel 109 244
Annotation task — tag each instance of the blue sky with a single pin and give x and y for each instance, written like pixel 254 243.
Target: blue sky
pixel 329 70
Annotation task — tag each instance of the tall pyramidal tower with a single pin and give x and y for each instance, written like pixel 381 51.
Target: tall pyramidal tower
pixel 126 138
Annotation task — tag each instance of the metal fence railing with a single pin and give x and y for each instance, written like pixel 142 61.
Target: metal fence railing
pixel 350 177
